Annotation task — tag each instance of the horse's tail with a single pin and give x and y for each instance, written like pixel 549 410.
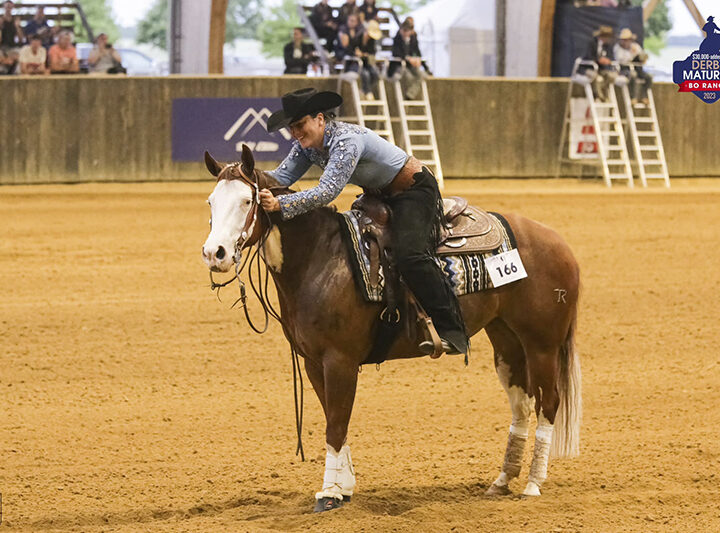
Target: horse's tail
pixel 566 437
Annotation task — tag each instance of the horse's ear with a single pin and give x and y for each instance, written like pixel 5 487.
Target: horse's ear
pixel 212 165
pixel 248 161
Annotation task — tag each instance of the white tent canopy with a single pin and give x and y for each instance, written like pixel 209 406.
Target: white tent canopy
pixel 457 37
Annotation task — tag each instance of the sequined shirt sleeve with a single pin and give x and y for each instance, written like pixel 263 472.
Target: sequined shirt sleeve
pixel 344 153
pixel 295 165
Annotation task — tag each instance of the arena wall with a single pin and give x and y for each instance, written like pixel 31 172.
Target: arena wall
pixel 76 129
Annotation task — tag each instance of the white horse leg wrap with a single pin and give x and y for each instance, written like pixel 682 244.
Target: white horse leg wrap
pixel 339 478
pixel 517 437
pixel 543 439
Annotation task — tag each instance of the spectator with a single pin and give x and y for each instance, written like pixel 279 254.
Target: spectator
pixel 347 9
pixel 628 51
pixel 368 11
pixel 600 51
pixel 11 34
pixel 349 42
pixel 298 55
pixel 62 56
pixel 103 58
pixel 324 23
pixel 406 48
pixel 8 62
pixel 38 24
pixel 368 74
pixel 33 57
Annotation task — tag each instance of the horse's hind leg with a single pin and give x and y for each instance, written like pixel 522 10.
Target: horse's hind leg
pixel 543 372
pixel 512 371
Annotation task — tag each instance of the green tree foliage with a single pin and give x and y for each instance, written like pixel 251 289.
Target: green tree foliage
pixel 152 29
pixel 656 27
pixel 99 17
pixel 403 7
pixel 242 20
pixel 276 30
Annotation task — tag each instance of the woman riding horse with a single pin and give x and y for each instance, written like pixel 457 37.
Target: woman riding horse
pixel 349 153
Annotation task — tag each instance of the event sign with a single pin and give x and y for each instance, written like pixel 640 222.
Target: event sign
pixel 699 73
pixel 223 125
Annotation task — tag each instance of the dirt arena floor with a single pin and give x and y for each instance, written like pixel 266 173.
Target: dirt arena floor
pixel 132 400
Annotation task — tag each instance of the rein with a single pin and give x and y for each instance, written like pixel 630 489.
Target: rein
pixel 253 261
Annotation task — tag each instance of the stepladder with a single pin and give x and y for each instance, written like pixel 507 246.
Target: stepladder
pixel 644 132
pixel 418 129
pixel 368 109
pixel 593 133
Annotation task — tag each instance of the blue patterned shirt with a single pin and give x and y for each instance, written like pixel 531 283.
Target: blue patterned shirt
pixel 351 154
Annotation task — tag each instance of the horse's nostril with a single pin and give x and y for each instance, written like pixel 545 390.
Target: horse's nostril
pixel 220 253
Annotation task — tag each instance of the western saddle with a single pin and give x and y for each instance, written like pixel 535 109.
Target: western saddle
pixel 466 229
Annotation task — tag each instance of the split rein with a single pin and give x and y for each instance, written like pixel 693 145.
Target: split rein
pixel 253 260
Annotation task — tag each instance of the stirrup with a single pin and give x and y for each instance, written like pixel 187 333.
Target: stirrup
pixel 427 347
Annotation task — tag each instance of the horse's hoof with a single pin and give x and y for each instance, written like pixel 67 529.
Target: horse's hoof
pixel 327 504
pixel 531 490
pixel 498 490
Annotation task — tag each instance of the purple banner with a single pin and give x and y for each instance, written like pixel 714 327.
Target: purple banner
pixel 223 125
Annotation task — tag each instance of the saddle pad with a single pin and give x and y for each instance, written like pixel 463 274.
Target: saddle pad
pixel 465 272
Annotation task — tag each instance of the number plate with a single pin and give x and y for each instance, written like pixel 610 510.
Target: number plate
pixel 505 268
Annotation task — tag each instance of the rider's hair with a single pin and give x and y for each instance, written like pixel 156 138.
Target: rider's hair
pixel 329 115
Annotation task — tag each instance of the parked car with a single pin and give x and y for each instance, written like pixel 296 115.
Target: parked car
pixel 136 63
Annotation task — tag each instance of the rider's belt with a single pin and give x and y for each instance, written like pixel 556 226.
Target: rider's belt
pixel 404 179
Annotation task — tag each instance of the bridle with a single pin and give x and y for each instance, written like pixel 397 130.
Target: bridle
pixel 246 241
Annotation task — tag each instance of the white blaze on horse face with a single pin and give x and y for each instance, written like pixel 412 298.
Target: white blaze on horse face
pixel 230 204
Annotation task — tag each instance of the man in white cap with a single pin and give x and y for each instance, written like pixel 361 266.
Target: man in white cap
pixel 630 55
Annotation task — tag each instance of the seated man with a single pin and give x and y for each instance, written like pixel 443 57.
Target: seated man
pixel 62 56
pixel 324 23
pixel 628 51
pixel 33 57
pixel 600 51
pixel 298 55
pixel 405 47
pixel 104 59
pixel 37 25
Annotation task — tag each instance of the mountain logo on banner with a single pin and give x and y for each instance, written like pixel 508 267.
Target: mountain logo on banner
pixel 249 119
pixel 699 73
pixel 222 125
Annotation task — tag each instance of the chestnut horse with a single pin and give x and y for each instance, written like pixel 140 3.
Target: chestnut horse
pixel 530 322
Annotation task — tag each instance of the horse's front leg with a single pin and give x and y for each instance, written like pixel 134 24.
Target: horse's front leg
pixel 340 381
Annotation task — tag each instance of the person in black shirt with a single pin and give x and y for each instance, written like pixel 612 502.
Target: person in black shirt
pixel 298 55
pixel 347 9
pixel 349 42
pixel 325 25
pixel 368 11
pixel 405 47
pixel 600 50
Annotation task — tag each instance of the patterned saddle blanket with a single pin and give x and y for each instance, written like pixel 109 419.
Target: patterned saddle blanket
pixel 465 271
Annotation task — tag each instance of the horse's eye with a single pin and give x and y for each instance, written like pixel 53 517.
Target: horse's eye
pixel 248 202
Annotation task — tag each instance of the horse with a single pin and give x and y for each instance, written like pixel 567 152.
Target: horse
pixel 530 323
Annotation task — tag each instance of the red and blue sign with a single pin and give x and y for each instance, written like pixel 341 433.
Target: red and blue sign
pixel 700 72
pixel 223 125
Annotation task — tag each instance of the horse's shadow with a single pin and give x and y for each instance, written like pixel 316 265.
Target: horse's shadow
pixel 278 506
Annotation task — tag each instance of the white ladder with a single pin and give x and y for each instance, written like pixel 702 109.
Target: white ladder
pixel 643 125
pixel 375 112
pixel 609 128
pixel 418 130
pixel 608 132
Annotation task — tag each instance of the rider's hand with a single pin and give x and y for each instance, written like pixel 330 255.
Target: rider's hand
pixel 268 201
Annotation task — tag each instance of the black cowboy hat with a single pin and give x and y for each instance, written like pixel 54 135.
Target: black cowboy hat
pixel 302 102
